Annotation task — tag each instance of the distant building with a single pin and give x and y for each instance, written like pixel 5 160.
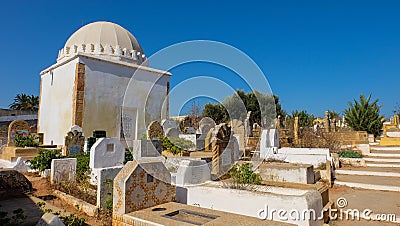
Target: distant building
pixel 87 84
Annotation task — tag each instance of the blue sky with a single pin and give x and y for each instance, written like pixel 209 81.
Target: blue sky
pixel 316 55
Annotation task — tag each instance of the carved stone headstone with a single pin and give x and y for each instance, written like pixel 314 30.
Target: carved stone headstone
pixel 172 132
pixel 146 149
pixel 221 142
pixel 154 130
pixel 205 125
pixel 192 172
pixel 62 170
pixel 169 123
pixel 17 127
pixel 239 131
pixel 74 142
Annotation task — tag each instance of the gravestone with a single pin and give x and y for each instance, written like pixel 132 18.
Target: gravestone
pixel 140 185
pixel 146 149
pixel 169 123
pixel 205 125
pixel 190 130
pixel 221 142
pixel 172 132
pixel 107 152
pixel 17 127
pixel 192 172
pixel 269 142
pixel 239 131
pixel 105 184
pixel 248 125
pixel 62 170
pixel 74 141
pixel 154 130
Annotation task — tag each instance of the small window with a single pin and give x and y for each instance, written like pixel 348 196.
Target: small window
pixel 110 147
pixel 150 178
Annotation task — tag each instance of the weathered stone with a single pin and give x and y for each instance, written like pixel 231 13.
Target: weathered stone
pixel 169 123
pixel 205 125
pixel 14 181
pixel 172 132
pixel 221 142
pixel 62 170
pixel 154 130
pixel 107 152
pixel 49 219
pixel 192 172
pixel 74 142
pixel 238 129
pixel 269 142
pixel 146 148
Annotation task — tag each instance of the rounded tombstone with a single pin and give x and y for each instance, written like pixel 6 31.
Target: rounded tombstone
pixel 206 124
pixel 172 132
pixel 169 123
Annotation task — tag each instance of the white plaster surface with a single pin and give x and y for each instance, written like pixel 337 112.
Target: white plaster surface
pixel 269 142
pixel 303 174
pixel 107 152
pixel 314 156
pixel 249 202
pixel 193 172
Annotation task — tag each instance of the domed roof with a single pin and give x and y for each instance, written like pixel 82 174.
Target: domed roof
pixel 103 38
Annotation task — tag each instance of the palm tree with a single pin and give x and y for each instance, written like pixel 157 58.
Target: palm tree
pixel 364 115
pixel 25 102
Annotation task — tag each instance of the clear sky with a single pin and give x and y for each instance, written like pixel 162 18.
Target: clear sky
pixel 316 55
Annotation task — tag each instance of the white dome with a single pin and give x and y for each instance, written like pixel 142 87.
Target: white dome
pixel 104 39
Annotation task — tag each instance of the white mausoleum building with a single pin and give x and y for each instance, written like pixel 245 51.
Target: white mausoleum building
pixel 87 86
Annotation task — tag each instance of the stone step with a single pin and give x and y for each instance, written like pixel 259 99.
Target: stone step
pixel 382 159
pixel 383 164
pixel 370 169
pixel 383 155
pixel 367 173
pixel 383 148
pixel 383 183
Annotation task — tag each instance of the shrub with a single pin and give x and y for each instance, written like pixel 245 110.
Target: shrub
pixel 82 167
pixel 128 155
pixel 43 160
pixel 168 146
pixel 349 154
pixel 26 141
pixel 182 143
pixel 244 174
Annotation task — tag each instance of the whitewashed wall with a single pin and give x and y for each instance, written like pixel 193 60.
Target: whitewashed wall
pixel 55 113
pixel 105 86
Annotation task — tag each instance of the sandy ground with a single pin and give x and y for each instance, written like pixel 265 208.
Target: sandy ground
pixel 43 191
pixel 379 202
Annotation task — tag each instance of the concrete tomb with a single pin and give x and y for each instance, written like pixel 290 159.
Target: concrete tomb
pixel 192 172
pixel 107 152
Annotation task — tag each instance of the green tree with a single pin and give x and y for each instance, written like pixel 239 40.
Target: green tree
pixel 240 103
pixel 305 119
pixel 364 115
pixel 25 102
